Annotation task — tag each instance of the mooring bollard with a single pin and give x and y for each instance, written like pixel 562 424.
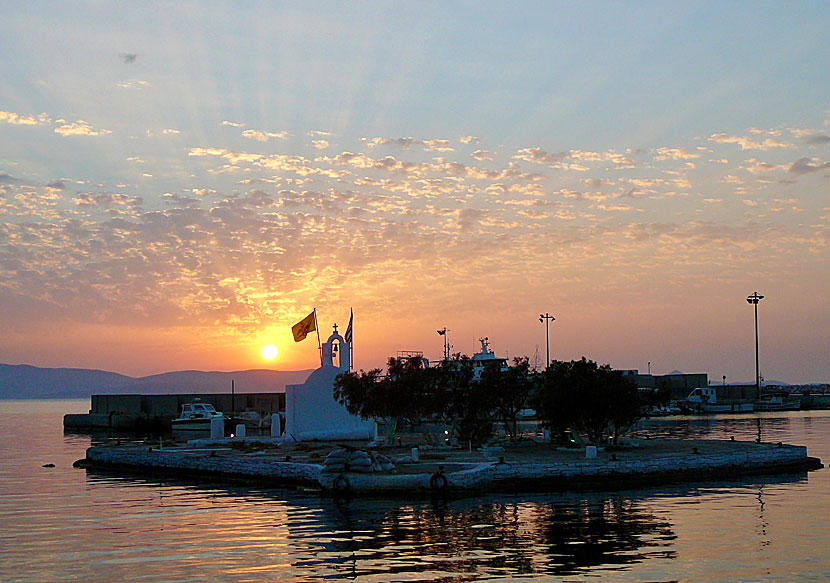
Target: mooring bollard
pixel 217 428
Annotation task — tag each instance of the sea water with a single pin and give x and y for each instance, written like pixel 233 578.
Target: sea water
pixel 66 524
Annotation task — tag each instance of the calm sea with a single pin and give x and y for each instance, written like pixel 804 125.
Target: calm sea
pixel 66 524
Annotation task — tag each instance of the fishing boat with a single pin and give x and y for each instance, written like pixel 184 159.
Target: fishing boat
pixel 196 417
pixel 705 400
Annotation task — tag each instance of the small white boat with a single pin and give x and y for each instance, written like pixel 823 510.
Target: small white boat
pixel 705 400
pixel 253 419
pixel 196 417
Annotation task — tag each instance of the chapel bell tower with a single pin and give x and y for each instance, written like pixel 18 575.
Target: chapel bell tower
pixel 336 352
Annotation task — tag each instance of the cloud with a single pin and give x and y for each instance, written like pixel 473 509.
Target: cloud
pixel 170 131
pixel 12 118
pixel 319 134
pixel 561 160
pixel 264 136
pixel 807 165
pixel 57 185
pixel 128 58
pixel 675 154
pixel 482 155
pixel 438 146
pixel 468 140
pixel 319 144
pixel 134 84
pixel 105 199
pixel 6 178
pixel 402 142
pixel 540 156
pixel 748 143
pixel 816 139
pixel 758 167
pixel 80 128
pixel 233 124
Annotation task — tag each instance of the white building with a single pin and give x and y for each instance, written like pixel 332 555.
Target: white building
pixel 312 413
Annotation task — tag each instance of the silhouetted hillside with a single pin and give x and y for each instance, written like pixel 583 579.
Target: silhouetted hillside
pixel 21 381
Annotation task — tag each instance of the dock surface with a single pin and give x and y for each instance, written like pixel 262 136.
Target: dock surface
pixel 521 468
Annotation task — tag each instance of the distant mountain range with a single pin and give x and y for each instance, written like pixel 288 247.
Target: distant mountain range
pixel 21 381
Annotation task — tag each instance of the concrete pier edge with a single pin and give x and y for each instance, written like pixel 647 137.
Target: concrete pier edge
pixel 482 477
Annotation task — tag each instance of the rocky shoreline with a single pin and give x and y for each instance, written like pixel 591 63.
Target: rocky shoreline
pixel 533 468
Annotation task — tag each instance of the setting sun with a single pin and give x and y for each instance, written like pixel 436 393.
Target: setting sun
pixel 269 352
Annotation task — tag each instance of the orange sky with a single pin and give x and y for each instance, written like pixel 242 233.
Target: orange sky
pixel 176 196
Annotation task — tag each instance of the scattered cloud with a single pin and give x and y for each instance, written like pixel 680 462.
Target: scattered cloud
pixel 573 159
pixel 128 58
pixel 402 142
pixel 12 118
pixel 80 128
pixel 816 139
pixel 134 84
pixel 539 156
pixel 264 136
pixel 6 178
pixel 482 155
pixel 170 131
pixel 806 165
pixel 438 146
pixel 758 167
pixel 748 143
pixel 319 144
pixel 233 124
pixel 468 140
pixel 675 154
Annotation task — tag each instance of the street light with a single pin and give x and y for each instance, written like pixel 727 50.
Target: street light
pixel 443 332
pixel 754 299
pixel 547 319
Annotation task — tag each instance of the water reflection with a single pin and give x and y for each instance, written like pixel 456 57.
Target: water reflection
pixel 369 538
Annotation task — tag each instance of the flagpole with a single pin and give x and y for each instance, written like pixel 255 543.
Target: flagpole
pixel 319 344
pixel 351 343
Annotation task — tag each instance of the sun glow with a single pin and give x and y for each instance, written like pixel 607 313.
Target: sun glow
pixel 269 352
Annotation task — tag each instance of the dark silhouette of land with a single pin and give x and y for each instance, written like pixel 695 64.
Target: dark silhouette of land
pixel 22 381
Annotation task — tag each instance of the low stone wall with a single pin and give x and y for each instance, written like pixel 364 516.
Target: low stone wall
pixel 663 468
pixel 184 461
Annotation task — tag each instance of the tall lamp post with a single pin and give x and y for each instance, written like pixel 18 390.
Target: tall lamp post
pixel 443 332
pixel 547 319
pixel 754 298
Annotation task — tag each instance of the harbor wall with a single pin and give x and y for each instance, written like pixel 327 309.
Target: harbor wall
pixel 126 412
pixel 489 476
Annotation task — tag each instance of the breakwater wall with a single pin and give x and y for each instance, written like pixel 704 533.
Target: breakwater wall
pixel 130 412
pixel 469 477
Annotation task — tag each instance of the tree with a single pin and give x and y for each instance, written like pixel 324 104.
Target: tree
pixel 466 408
pixel 507 391
pixel 595 400
pixel 409 391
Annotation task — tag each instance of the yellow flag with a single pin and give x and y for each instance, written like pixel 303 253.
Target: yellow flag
pixel 301 329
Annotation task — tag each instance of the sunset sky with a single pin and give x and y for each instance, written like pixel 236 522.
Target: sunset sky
pixel 182 182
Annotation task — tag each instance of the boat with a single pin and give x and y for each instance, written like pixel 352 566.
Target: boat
pixel 778 402
pixel 196 417
pixel 486 357
pixel 664 411
pixel 705 400
pixel 253 420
